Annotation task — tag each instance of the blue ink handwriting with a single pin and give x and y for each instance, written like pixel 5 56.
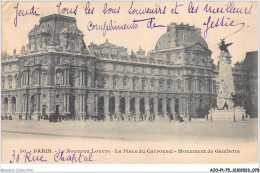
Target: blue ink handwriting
pixel 107 10
pixel 174 10
pixel 60 157
pixel 224 22
pixel 150 23
pixel 20 13
pixel 230 8
pixel 89 10
pixel 156 10
pixel 110 26
pixel 65 10
pixel 28 157
pixel 192 8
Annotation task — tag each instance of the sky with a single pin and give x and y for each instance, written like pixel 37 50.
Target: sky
pixel 244 40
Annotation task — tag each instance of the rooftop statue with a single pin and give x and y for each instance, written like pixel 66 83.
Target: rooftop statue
pixel 223 46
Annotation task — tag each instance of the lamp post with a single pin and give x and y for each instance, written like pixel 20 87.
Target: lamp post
pixel 234 114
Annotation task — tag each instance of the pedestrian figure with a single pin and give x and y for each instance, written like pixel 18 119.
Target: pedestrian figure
pixel 189 118
pixel 226 106
pixel 246 116
pixel 207 117
pixel 243 117
pixel 10 117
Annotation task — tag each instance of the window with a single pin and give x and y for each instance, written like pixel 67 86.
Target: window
pixel 169 72
pixel 152 82
pixel 105 79
pixel 10 67
pixel 3 82
pixel 114 67
pixel 168 57
pixel 179 72
pixel 179 84
pixel 161 82
pixel 125 79
pixel 134 69
pixel 169 83
pixel 58 60
pixel 143 83
pixel 72 45
pixel 143 70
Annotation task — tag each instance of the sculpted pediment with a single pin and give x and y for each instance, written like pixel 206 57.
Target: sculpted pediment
pixel 197 47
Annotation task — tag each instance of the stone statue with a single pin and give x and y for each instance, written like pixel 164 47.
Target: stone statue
pixel 223 46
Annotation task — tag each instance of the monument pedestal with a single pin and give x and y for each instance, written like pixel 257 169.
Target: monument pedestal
pixel 228 115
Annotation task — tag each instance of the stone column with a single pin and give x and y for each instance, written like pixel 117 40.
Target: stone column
pixel 155 105
pixel 28 78
pixel 106 106
pixel 164 105
pixel 137 108
pixel 180 105
pixel 67 101
pixel 173 105
pixel 127 105
pixel 80 78
pixel 63 77
pixel 89 79
pixel 117 105
pixel 25 78
pixel 64 103
pixel 9 107
pixel 84 103
pixel 196 84
pixel 68 77
pixel 36 103
pixel 68 98
pixel 147 107
pixel 80 103
pixel 39 77
pixel 83 80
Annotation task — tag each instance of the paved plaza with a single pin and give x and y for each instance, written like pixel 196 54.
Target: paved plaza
pixel 161 129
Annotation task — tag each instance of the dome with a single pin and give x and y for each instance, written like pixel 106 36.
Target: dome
pixel 179 36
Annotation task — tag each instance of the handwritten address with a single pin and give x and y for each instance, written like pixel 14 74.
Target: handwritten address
pixel 58 157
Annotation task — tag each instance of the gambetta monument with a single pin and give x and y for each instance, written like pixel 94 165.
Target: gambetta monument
pixel 225 108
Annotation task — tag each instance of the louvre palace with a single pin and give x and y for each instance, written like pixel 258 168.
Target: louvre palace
pixel 56 72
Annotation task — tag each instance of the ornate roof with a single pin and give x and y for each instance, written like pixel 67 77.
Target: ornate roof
pixel 72 29
pixel 37 30
pixel 180 36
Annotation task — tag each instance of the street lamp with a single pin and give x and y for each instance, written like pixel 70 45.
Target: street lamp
pixel 234 114
pixel 211 113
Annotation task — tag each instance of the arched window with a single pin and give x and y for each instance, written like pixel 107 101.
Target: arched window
pixel 179 84
pixel 161 82
pixel 153 82
pixel 169 83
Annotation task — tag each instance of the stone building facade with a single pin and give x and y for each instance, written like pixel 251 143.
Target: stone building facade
pixel 246 83
pixel 57 72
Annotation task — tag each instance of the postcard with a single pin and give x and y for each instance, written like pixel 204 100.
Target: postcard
pixel 129 82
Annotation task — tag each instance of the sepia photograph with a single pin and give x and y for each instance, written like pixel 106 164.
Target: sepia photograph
pixel 129 82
